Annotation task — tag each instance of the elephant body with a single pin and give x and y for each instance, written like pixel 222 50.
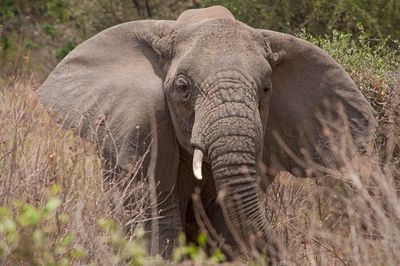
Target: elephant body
pixel 208 97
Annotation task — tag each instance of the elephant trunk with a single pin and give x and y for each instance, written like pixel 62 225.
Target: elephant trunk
pixel 235 175
pixel 232 141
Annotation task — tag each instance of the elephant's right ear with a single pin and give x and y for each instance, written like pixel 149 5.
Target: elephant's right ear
pixel 106 88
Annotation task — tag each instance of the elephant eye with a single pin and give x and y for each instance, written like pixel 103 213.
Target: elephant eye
pixel 267 87
pixel 182 86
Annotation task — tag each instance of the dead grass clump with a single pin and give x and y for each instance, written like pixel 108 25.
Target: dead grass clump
pixel 350 216
pixel 35 155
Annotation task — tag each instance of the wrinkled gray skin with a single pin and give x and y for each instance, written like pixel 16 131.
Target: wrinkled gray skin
pixel 212 83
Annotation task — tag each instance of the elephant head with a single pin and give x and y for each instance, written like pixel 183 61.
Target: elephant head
pixel 220 90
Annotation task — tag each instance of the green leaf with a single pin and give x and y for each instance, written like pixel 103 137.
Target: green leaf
pixel 67 240
pixel 37 237
pixel 4 212
pixel 107 224
pixel 78 253
pixel 178 254
pixel 7 225
pixel 192 251
pixel 55 189
pixel 218 256
pixel 29 216
pixel 202 240
pixel 139 232
pixel 63 218
pixel 52 204
pixel 64 262
pixel 49 29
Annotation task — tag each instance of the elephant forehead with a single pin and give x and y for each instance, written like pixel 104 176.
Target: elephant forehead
pixel 218 45
pixel 219 34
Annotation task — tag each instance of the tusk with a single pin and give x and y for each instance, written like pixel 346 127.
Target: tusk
pixel 197 162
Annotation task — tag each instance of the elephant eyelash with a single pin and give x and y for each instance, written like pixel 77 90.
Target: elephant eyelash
pixel 182 85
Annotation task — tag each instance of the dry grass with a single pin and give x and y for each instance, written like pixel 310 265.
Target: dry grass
pixel 329 222
pixel 36 154
pixel 352 219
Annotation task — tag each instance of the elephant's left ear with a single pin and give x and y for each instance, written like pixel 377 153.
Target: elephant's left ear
pixel 311 94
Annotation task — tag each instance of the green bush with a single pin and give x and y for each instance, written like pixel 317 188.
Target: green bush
pixel 33 235
pixel 370 62
pixel 56 24
pixel 36 235
pixel 60 53
pixel 380 18
pixel 196 252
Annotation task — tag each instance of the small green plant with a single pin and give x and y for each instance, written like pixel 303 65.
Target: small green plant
pixel 196 252
pixel 49 30
pixel 29 44
pixel 132 252
pixel 60 53
pixel 30 234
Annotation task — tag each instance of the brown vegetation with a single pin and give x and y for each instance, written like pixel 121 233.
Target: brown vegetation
pixel 352 218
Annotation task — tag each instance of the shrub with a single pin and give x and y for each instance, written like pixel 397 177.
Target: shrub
pixel 370 62
pixel 380 18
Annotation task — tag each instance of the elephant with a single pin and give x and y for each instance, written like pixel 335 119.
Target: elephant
pixel 208 102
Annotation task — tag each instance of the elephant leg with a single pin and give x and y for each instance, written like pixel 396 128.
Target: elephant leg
pixel 168 219
pixel 168 222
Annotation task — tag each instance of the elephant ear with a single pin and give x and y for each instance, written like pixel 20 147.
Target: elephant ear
pixel 109 88
pixel 314 106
